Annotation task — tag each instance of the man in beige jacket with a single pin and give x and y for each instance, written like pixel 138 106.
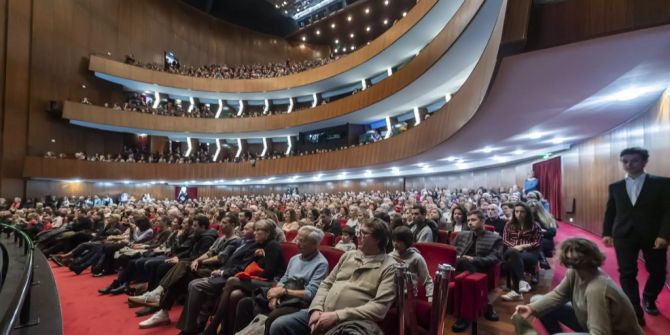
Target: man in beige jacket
pixel 360 287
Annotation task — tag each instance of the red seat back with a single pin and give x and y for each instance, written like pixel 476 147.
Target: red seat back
pixel 290 235
pixel 328 239
pixel 332 255
pixel 434 254
pixel 288 250
pixel 443 236
pixel 489 227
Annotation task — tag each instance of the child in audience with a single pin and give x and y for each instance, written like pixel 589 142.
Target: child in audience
pixel 403 252
pixel 347 241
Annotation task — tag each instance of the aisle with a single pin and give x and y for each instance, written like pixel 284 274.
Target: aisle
pixel 86 312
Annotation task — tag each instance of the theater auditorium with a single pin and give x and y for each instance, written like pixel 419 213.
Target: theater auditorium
pixel 334 167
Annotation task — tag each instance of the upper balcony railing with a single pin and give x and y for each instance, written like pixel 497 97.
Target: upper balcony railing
pixel 425 136
pixel 86 114
pixel 109 68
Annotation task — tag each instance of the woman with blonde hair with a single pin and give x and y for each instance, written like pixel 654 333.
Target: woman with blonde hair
pixel 548 224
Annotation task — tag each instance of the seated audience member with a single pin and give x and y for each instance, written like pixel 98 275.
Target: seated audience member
pixel 522 236
pixel 435 215
pixel 297 286
pixel 175 282
pixel 290 221
pixel 478 250
pixel 361 287
pixel 537 196
pixel 202 292
pixel 328 223
pixel 493 218
pixel 458 219
pixel 138 231
pixel 266 267
pixel 346 242
pixel 201 240
pixel 403 252
pixel 508 210
pixel 421 228
pixel 548 224
pixel 112 226
pixel 587 300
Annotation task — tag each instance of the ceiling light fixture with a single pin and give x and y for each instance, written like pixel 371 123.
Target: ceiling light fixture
pixel 386 21
pixel 239 112
pixel 265 147
pixel 417 116
pixel 535 135
pixel 318 32
pixel 487 150
pixel 332 25
pixel 557 140
pixel 188 144
pixel 290 145
pixel 351 35
pixel 367 11
pixel 218 111
pixel 218 150
pixel 388 127
pixel 518 152
pixel 191 105
pixel 367 28
pixel 304 38
pixel 239 148
pixel 349 18
pixel 157 100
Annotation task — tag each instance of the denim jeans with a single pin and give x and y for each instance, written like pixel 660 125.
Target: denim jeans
pixel 562 314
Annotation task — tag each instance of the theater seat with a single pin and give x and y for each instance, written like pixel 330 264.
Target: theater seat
pixel 290 235
pixel 489 227
pixel 328 239
pixel 288 250
pixel 443 236
pixel 332 255
pixel 434 254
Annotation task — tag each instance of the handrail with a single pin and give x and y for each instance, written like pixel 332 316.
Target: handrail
pixel 21 299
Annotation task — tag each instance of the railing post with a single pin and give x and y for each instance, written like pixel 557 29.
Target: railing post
pixel 440 298
pixel 400 287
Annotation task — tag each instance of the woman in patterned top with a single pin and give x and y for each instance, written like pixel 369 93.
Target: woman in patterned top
pixel 521 237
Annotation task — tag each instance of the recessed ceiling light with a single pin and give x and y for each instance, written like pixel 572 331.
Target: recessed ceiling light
pixel 352 47
pixel 351 35
pixel 451 159
pixel 332 25
pixel 367 11
pixel 535 135
pixel 557 140
pixel 487 150
pixel 304 38
pixel 349 18
pixel 386 21
pixel 318 32
pixel 518 152
pixel 367 28
pixel 368 173
pixel 337 41
pixel 404 14
pixel 386 2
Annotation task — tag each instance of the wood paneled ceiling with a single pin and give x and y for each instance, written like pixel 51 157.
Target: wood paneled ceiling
pixel 355 25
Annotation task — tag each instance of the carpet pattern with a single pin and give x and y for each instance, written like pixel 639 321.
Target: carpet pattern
pixel 86 312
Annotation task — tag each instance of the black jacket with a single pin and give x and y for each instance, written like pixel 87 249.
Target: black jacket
pixel 488 247
pixel 648 219
pixel 199 246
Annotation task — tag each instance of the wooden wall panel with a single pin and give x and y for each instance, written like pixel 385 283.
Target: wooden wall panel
pixel 560 22
pixel 16 93
pixel 401 79
pixel 495 177
pixel 588 168
pixel 365 53
pixel 516 22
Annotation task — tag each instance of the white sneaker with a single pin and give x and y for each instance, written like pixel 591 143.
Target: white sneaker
pixel 159 318
pixel 524 287
pixel 512 296
pixel 147 299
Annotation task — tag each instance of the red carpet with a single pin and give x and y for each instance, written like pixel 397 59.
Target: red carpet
pixel 86 312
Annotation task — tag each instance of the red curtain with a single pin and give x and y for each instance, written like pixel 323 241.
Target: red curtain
pixel 548 174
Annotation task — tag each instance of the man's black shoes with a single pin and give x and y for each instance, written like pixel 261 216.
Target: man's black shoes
pixel 649 307
pixel 491 314
pixel 460 325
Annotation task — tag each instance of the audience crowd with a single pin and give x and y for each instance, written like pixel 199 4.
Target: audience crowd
pixel 223 254
pixel 225 71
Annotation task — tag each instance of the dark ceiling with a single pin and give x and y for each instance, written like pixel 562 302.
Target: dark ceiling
pixel 258 15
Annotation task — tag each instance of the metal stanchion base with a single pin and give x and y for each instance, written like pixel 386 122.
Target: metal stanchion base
pixel 30 323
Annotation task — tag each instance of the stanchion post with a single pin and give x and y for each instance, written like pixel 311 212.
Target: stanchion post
pixel 440 298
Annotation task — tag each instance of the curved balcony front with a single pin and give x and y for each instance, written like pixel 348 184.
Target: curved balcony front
pixel 452 52
pixel 401 42
pixel 440 127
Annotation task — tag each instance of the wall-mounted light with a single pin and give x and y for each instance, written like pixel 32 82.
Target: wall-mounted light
pixel 290 145
pixel 389 71
pixel 315 100
pixel 265 147
pixel 417 116
pixel 157 100
pixel 218 150
pixel 190 147
pixel 219 110
pixel 388 127
pixel 290 105
pixel 266 108
pixel 239 112
pixel 364 84
pixel 192 104
pixel 239 148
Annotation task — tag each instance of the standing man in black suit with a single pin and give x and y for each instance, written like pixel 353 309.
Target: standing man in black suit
pixel 638 218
